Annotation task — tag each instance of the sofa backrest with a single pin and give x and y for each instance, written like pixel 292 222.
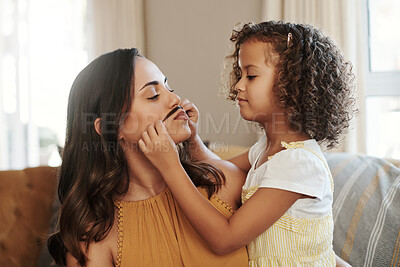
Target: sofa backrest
pixel 366 209
pixel 26 198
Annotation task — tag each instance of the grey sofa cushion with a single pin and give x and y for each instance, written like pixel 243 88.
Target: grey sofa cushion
pixel 366 209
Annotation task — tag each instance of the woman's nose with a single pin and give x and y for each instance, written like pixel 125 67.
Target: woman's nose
pixel 175 100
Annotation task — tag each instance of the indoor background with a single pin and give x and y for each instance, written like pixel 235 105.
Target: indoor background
pixel 45 43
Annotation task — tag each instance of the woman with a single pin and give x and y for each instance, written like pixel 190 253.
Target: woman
pixel 116 208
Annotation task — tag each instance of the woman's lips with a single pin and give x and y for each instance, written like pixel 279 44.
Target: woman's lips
pixel 172 112
pixel 181 116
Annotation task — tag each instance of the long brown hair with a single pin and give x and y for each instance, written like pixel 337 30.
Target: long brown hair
pixel 94 168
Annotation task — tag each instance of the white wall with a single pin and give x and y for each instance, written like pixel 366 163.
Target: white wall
pixel 188 40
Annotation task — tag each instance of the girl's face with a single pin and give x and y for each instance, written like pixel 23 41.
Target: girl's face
pixel 255 97
pixel 152 100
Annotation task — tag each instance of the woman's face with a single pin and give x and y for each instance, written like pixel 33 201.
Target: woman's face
pixel 152 100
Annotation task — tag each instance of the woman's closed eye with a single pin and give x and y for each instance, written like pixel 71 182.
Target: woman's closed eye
pixel 153 97
pixel 251 77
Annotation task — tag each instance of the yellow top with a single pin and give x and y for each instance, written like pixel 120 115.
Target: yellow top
pixel 298 238
pixel 293 241
pixel 155 232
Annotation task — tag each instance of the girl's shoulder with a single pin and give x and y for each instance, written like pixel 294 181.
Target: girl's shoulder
pixel 300 167
pixel 300 151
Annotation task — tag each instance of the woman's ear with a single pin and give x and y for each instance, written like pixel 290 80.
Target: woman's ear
pixel 97 126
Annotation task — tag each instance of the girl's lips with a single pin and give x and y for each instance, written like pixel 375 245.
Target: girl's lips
pixel 241 100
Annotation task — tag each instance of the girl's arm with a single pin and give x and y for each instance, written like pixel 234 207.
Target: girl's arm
pixel 231 191
pixel 196 148
pixel 341 263
pixel 222 235
pixel 226 235
pixel 242 161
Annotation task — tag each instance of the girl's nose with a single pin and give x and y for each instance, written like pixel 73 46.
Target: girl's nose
pixel 239 86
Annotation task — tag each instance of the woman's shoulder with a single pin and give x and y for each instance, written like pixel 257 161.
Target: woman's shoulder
pixel 234 180
pixel 101 253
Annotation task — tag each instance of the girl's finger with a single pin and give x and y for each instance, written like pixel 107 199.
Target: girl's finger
pixel 142 145
pixel 184 102
pixel 160 128
pixel 188 107
pixel 152 131
pixel 146 138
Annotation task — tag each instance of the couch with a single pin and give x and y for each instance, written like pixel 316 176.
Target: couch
pixel 26 209
pixel 366 211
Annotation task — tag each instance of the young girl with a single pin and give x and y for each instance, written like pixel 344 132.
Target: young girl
pixel 294 82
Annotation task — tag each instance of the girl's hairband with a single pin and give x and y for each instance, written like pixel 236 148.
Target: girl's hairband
pixel 289 38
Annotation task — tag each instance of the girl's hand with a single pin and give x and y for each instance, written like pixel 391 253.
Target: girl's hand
pixel 193 114
pixel 196 149
pixel 158 147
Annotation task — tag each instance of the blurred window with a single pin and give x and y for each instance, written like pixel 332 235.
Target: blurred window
pixel 382 78
pixel 42 49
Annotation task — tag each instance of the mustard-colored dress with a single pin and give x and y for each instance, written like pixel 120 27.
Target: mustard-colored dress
pixel 155 232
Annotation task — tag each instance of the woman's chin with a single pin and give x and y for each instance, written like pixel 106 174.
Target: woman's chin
pixel 181 136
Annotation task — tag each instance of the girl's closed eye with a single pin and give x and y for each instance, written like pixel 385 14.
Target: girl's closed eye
pixel 251 77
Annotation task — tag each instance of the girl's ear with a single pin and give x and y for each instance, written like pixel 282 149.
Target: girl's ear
pixel 97 126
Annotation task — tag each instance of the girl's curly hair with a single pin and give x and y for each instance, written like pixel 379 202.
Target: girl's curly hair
pixel 313 83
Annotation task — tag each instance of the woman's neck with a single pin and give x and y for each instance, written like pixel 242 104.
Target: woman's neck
pixel 145 180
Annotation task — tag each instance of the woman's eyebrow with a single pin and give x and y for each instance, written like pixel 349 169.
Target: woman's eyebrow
pixel 153 83
pixel 149 83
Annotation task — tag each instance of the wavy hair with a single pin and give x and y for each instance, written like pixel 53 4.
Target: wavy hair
pixel 94 168
pixel 313 83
